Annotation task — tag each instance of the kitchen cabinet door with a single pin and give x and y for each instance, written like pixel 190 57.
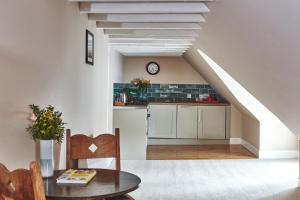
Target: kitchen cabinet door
pixel 133 127
pixel 211 122
pixel 162 121
pixel 187 122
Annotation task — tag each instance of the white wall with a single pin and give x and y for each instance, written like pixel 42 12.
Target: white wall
pixel 237 110
pixel 251 131
pixel 42 61
pixel 256 42
pixel 256 47
pixel 236 125
pixel 116 73
pixel 172 70
pixel 273 135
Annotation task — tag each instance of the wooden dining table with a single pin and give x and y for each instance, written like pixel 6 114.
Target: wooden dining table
pixel 106 184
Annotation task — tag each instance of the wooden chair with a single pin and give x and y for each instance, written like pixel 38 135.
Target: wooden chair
pixel 22 184
pixel 103 146
pixel 84 147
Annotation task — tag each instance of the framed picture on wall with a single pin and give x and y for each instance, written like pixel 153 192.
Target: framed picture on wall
pixel 89 48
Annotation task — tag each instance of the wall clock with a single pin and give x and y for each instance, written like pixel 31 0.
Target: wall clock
pixel 152 68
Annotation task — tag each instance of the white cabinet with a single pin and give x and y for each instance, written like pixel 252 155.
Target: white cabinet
pixel 187 121
pixel 133 132
pixel 162 121
pixel 211 122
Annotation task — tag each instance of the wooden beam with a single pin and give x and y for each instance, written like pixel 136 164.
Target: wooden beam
pixel 151 41
pixel 149 46
pixel 136 37
pixel 144 48
pixel 157 51
pixel 149 51
pixel 151 54
pixel 144 7
pixel 120 25
pixel 195 18
pixel 149 33
pixel 107 1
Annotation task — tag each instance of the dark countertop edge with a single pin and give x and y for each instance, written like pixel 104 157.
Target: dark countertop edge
pixel 190 104
pixel 165 103
pixel 130 107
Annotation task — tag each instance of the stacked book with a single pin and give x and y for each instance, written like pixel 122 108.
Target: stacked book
pixel 78 177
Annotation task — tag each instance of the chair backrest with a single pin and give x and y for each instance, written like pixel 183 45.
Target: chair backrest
pixel 22 184
pixel 83 147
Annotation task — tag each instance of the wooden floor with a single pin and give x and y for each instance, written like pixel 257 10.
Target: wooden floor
pixel 197 152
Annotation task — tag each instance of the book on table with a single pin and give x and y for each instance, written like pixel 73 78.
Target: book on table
pixel 76 176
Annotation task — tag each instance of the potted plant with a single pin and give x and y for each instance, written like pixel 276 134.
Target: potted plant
pixel 142 84
pixel 46 126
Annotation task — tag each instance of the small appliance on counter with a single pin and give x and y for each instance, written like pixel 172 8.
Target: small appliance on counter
pixel 121 100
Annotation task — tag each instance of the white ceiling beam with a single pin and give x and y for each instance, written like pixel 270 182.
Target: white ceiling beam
pixel 168 42
pixel 140 1
pixel 144 48
pixel 152 54
pixel 195 18
pixel 151 33
pixel 149 53
pixel 151 42
pixel 151 50
pixel 117 41
pixel 136 37
pixel 144 7
pixel 150 45
pixel 161 44
pixel 120 25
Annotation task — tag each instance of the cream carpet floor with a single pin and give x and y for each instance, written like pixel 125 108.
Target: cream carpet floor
pixel 215 179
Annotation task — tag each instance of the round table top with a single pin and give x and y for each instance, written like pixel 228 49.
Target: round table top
pixel 107 183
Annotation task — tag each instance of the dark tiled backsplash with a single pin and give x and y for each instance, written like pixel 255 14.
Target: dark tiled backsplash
pixel 174 92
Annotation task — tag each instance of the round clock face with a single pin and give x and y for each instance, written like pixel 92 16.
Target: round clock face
pixel 152 68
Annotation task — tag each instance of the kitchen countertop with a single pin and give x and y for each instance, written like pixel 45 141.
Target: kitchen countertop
pixel 130 107
pixel 189 103
pixel 171 103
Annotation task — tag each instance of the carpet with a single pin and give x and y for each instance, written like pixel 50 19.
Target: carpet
pixel 215 179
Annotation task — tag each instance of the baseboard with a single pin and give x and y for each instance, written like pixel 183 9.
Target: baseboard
pixel 281 154
pixel 266 154
pixel 250 147
pixel 235 141
pixel 261 154
pixel 157 141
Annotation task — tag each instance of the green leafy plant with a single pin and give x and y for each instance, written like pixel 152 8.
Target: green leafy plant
pixel 141 83
pixel 46 124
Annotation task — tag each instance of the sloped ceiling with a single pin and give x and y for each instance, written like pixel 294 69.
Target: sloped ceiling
pixel 257 43
pixel 213 79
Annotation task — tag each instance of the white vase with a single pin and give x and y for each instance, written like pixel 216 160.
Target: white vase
pixel 47 158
